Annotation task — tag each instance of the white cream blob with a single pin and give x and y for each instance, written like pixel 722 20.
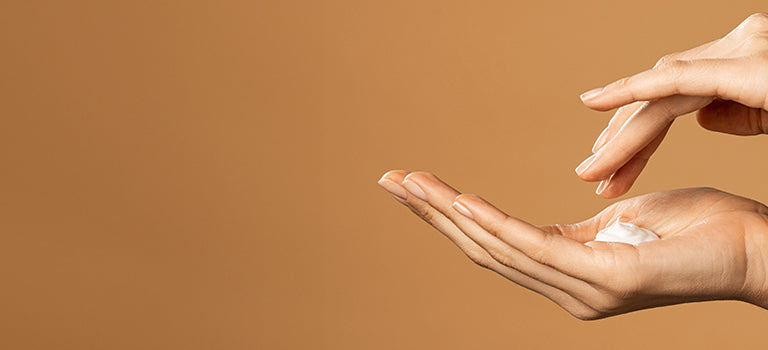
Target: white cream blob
pixel 625 232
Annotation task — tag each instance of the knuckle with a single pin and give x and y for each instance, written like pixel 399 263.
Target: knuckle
pixel 668 111
pixel 755 37
pixel 479 257
pixel 423 211
pixel 503 257
pixel 756 41
pixel 542 250
pixel 622 83
pixel 676 70
pixel 756 22
pixel 496 228
pixel 707 189
pixel 665 60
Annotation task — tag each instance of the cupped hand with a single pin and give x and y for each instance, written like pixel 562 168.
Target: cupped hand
pixel 713 245
pixel 725 80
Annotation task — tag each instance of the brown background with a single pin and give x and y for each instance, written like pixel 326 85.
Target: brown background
pixel 202 174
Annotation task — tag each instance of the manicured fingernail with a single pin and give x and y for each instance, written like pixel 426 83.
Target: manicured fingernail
pixel 602 186
pixel 462 209
pixel 393 188
pixel 591 94
pixel 600 140
pixel 414 189
pixel 585 164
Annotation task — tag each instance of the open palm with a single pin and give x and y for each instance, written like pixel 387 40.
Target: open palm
pixel 712 247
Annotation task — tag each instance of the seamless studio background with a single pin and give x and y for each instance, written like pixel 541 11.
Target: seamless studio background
pixel 202 175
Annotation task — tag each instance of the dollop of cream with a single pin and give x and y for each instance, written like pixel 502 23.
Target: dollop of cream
pixel 625 232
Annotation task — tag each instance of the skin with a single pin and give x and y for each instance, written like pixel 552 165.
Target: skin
pixel 713 246
pixel 724 81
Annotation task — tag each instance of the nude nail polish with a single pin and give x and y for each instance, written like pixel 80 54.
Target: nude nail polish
pixel 393 188
pixel 591 94
pixel 602 186
pixel 585 164
pixel 414 189
pixel 462 209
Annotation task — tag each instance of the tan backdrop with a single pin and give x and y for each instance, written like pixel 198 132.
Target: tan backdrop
pixel 202 174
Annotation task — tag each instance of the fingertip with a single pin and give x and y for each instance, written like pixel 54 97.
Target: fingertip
pixel 469 199
pixel 599 99
pixel 462 209
pixel 482 211
pixel 414 188
pixel 418 176
pixel 390 182
pixel 393 175
pixel 591 94
pixel 592 176
pixel 600 106
pixel 609 194
pixel 471 202
pixel 618 184
pixel 596 172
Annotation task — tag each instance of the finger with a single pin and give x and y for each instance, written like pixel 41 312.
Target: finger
pixel 393 187
pixel 722 78
pixel 483 258
pixel 615 124
pixel 428 214
pixel 564 255
pixel 733 118
pixel 648 122
pixel 441 197
pixel 726 47
pixel 621 181
pixel 703 51
pixel 626 111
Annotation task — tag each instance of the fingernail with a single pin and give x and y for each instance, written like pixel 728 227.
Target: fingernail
pixel 462 209
pixel 602 186
pixel 414 189
pixel 585 164
pixel 591 94
pixel 393 188
pixel 600 140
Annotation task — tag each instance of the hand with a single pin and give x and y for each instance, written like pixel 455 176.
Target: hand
pixel 713 245
pixel 726 81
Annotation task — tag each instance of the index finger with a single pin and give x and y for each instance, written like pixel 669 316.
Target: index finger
pixel 701 77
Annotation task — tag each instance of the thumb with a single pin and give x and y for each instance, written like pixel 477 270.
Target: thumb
pixel 733 118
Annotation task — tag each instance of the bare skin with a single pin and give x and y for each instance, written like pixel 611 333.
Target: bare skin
pixel 713 246
pixel 724 81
